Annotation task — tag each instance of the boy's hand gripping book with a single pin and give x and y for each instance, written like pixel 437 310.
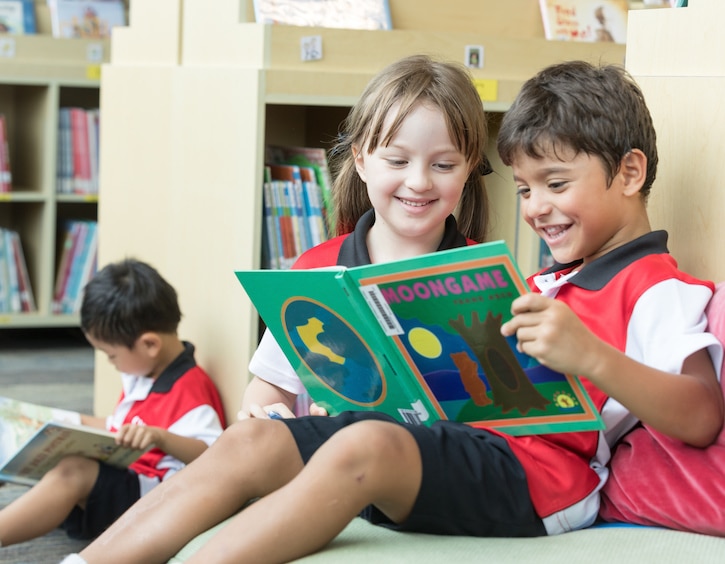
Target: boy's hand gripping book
pixel 418 339
pixel 33 439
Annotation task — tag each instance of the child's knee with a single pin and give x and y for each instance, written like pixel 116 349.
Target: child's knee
pixel 245 434
pixel 371 443
pixel 77 471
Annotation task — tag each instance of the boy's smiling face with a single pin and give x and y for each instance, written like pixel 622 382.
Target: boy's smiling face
pixel 567 201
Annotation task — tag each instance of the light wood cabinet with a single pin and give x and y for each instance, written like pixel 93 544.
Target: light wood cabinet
pixel 677 58
pixel 191 100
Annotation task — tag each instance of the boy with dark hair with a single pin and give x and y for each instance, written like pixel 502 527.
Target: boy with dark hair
pixel 614 309
pixel 130 313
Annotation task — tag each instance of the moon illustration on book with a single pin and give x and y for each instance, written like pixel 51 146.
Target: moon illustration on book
pixel 424 342
pixel 334 352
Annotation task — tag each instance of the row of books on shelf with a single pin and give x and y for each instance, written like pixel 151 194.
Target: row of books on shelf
pixel 69 18
pixel 16 293
pixel 296 196
pixel 77 264
pixel 78 151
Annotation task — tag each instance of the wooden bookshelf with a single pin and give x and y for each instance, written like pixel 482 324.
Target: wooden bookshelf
pixel 191 100
pixel 39 74
pixel 42 75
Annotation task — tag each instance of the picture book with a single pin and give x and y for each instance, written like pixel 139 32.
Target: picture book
pixel 17 16
pixel 33 438
pixel 88 19
pixel 349 14
pixel 420 340
pixel 585 20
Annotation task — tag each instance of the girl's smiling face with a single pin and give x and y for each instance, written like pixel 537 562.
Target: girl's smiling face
pixel 414 183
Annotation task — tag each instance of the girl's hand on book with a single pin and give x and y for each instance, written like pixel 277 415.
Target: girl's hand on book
pixel 318 410
pixel 272 411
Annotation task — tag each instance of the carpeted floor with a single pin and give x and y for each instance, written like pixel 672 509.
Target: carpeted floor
pixel 52 368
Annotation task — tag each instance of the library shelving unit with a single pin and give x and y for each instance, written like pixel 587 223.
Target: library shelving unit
pixel 38 75
pixel 190 101
pixel 676 57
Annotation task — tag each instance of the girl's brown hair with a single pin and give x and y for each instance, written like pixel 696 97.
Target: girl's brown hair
pixel 401 86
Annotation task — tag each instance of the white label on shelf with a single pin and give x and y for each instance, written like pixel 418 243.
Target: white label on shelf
pixel 94 53
pixel 311 48
pixel 7 47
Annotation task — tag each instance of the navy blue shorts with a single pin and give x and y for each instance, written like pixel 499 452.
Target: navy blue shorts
pixel 115 490
pixel 472 482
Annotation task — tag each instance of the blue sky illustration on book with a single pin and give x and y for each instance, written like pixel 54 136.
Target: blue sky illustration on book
pixel 335 353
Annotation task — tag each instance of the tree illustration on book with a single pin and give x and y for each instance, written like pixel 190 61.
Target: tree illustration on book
pixel 510 387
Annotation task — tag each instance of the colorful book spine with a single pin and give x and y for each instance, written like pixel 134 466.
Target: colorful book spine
pixel 80 256
pixel 4 276
pixel 93 126
pixel 6 177
pixel 12 269
pixel 70 242
pixel 64 166
pixel 81 154
pixel 27 299
pixel 88 265
pixel 313 196
pixel 272 233
pixel 285 224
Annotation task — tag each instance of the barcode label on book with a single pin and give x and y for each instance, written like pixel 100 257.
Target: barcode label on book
pixel 385 316
pixel 410 416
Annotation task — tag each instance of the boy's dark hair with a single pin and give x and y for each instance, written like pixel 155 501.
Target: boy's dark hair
pixel 126 299
pixel 597 110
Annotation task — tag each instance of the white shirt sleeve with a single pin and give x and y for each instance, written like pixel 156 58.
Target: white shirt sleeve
pixel 663 337
pixel 270 364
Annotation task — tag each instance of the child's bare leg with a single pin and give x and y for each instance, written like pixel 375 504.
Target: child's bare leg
pixel 370 462
pixel 250 459
pixel 45 506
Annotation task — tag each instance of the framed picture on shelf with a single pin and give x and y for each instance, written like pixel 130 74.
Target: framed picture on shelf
pixel 347 14
pixel 474 56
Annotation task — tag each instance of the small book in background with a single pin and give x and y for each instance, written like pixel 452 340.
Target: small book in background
pixel 86 19
pixel 585 20
pixel 16 294
pixel 420 340
pixel 17 16
pixel 33 439
pixel 360 14
pixel 77 264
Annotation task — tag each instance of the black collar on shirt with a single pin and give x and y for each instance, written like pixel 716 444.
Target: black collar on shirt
pixel 354 249
pixel 596 274
pixel 178 367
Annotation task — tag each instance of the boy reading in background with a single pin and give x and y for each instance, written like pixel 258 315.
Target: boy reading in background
pixel 614 309
pixel 130 313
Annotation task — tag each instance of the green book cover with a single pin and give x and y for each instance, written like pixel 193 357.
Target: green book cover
pixel 420 340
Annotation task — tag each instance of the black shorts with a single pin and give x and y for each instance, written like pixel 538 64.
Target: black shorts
pixel 472 482
pixel 113 493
